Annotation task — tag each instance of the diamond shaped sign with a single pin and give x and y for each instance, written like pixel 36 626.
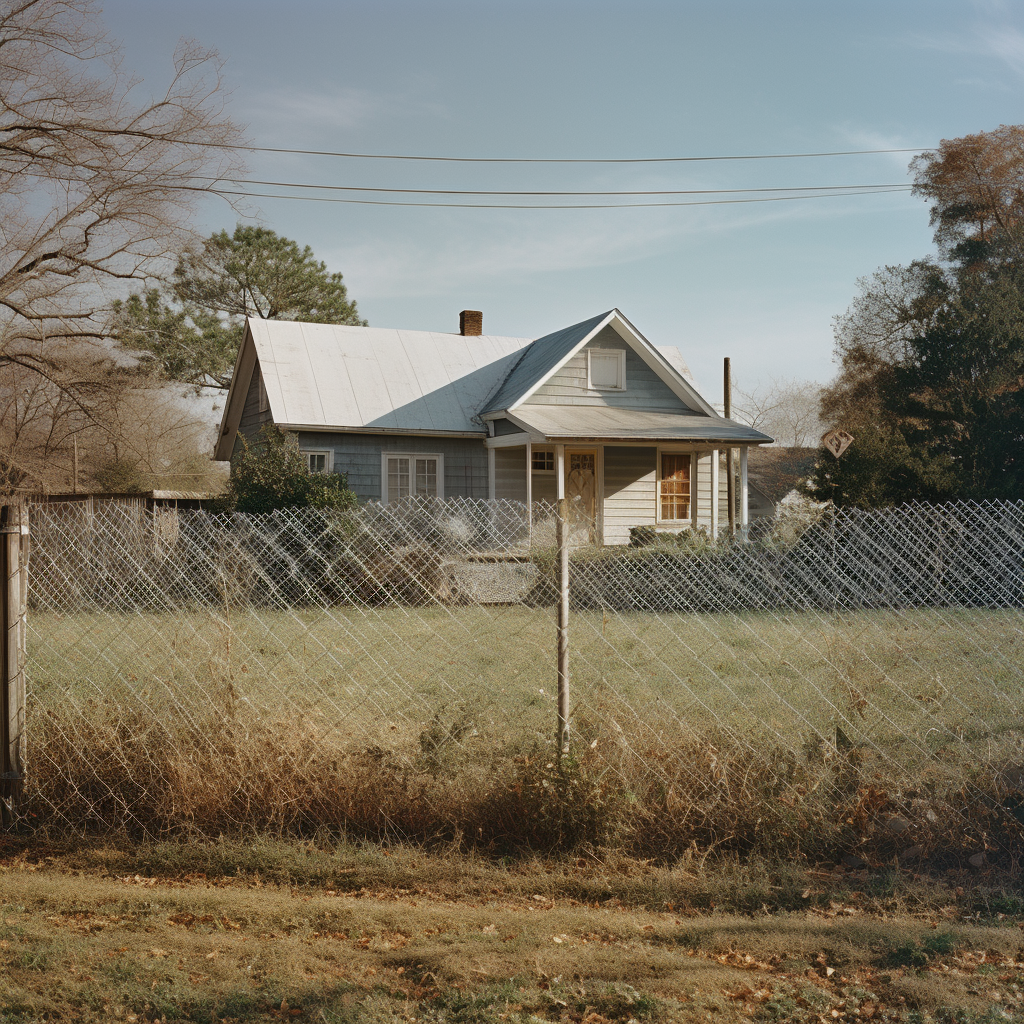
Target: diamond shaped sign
pixel 837 441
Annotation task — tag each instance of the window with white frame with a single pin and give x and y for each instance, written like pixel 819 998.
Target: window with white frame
pixel 606 369
pixel 673 486
pixel 319 460
pixel 407 475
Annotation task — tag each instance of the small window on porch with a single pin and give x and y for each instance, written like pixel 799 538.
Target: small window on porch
pixel 543 462
pixel 675 486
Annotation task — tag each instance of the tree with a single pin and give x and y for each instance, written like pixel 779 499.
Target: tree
pixel 95 186
pixel 787 410
pixel 976 188
pixel 932 355
pixel 191 328
pixel 270 474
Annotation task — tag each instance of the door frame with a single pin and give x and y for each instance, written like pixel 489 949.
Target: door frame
pixel 597 450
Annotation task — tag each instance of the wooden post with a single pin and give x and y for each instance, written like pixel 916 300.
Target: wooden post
pixel 529 488
pixel 715 496
pixel 694 490
pixel 744 502
pixel 562 528
pixel 13 597
pixel 730 476
pixel 74 482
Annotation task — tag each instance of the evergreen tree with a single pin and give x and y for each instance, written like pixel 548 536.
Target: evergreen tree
pixel 190 329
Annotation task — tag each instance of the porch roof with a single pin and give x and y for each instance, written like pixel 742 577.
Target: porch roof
pixel 601 423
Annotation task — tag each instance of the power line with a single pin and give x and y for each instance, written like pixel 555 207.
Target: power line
pixel 553 206
pixel 565 160
pixel 517 192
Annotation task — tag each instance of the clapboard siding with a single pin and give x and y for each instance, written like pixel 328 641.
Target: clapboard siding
pixel 359 456
pixel 704 492
pixel 252 419
pixel 645 390
pixel 510 474
pixel 630 491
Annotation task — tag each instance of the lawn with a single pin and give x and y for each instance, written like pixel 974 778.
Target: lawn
pixel 265 931
pixel 905 684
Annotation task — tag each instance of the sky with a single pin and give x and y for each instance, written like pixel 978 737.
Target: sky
pixel 758 282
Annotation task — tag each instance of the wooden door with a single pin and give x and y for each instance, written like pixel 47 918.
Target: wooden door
pixel 581 486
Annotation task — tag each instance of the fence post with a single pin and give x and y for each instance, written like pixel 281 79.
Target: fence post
pixel 562 538
pixel 13 601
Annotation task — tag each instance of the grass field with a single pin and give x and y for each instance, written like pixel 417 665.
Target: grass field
pixel 909 684
pixel 266 931
pixel 798 731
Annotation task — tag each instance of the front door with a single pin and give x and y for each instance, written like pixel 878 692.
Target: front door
pixel 581 487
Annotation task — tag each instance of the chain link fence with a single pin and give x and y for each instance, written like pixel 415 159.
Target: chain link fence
pixel 846 684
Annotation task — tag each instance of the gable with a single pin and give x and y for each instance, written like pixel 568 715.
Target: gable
pixel 645 390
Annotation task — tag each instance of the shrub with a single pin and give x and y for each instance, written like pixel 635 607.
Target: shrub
pixel 271 474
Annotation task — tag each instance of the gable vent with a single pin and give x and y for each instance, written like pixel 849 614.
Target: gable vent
pixel 471 321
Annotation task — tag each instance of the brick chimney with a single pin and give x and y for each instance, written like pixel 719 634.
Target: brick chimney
pixel 471 321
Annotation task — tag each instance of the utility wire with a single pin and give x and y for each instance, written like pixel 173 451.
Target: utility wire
pixel 517 192
pixel 564 160
pixel 551 206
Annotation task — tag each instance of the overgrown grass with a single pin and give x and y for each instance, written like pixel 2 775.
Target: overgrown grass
pixel 877 736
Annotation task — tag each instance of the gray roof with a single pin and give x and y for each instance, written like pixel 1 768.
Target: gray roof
pixel 603 423
pixel 539 360
pixel 324 376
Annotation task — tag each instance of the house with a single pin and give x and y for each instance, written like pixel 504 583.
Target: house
pixel 593 412
pixel 774 476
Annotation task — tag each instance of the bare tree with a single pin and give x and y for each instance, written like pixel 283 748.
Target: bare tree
pixel 95 186
pixel 788 410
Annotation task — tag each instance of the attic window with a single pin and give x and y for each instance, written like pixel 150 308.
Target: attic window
pixel 606 369
pixel 264 401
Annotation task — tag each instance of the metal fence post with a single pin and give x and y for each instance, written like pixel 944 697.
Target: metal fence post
pixel 13 600
pixel 562 539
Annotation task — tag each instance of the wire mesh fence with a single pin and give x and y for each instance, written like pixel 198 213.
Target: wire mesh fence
pixel 846 684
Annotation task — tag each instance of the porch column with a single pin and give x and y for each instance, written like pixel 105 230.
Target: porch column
pixel 694 492
pixel 559 471
pixel 744 504
pixel 529 486
pixel 490 474
pixel 714 495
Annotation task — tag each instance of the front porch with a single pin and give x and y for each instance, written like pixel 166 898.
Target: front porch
pixel 663 483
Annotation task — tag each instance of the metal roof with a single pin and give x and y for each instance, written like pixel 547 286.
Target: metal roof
pixel 543 356
pixel 555 422
pixel 323 376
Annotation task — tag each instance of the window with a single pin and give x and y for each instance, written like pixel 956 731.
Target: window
pixel 411 475
pixel 264 401
pixel 606 369
pixel 675 486
pixel 543 462
pixel 319 461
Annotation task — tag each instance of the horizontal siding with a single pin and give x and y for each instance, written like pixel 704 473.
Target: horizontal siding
pixel 630 491
pixel 645 390
pixel 252 419
pixel 510 474
pixel 359 456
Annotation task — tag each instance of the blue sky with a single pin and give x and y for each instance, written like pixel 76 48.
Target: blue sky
pixel 757 282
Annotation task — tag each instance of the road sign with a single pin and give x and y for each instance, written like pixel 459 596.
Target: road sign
pixel 837 441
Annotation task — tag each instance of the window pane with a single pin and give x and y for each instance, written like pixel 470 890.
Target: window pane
pixel 675 487
pixel 426 478
pixel 544 461
pixel 604 370
pixel 398 478
pixel 317 462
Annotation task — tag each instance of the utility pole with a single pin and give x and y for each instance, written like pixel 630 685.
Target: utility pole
pixel 730 476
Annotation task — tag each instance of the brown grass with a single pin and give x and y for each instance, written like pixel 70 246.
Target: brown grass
pixel 649 794
pixel 102 945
